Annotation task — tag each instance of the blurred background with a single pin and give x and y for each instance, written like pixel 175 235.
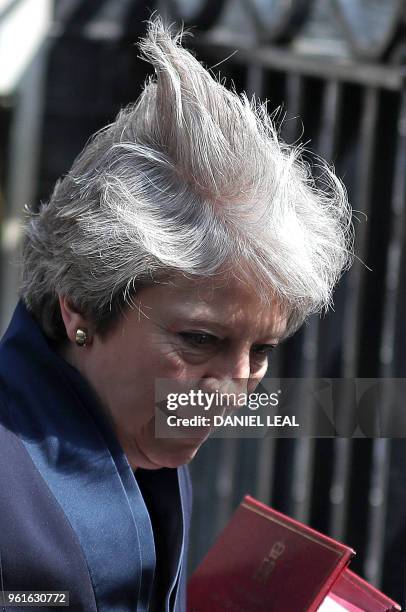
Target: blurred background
pixel 335 69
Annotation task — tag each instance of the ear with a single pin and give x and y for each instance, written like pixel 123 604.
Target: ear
pixel 73 319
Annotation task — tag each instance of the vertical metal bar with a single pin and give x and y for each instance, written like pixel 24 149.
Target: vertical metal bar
pixel 292 125
pixel 291 131
pixel 397 240
pixel 378 494
pixel 339 492
pixel 353 314
pixel 304 458
pixel 204 471
pixel 266 462
pixel 225 481
pixel 377 501
pixel 330 120
pixel 24 147
pixel 325 144
pixel 302 450
pixel 302 479
pixel 255 80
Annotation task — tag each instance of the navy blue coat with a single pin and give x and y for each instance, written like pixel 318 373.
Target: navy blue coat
pixel 73 515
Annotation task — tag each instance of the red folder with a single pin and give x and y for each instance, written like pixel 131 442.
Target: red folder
pixel 265 561
pixel 356 592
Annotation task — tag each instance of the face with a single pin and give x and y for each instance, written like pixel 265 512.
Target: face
pixel 211 333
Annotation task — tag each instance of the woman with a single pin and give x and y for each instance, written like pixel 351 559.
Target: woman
pixel 185 243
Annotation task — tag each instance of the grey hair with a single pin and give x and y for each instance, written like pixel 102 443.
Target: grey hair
pixel 190 179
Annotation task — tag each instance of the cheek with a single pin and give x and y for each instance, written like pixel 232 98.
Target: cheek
pixel 161 360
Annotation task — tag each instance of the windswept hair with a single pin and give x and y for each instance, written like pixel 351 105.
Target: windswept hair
pixel 190 179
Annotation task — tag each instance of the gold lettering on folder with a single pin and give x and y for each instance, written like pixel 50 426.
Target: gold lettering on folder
pixel 268 563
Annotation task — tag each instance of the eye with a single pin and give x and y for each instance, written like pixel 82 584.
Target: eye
pixel 198 339
pixel 263 350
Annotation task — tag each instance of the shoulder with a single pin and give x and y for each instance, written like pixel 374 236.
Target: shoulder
pixel 38 548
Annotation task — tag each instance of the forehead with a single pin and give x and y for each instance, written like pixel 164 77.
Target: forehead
pixel 224 301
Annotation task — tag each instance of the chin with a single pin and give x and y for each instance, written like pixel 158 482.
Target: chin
pixel 180 453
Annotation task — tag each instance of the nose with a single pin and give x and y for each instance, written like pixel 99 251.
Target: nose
pixel 239 367
pixel 229 372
